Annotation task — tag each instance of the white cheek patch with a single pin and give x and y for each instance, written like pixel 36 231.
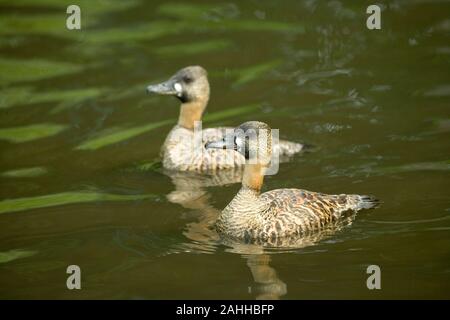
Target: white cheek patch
pixel 178 88
pixel 238 141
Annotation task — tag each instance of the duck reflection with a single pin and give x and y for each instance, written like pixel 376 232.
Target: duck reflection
pixel 268 285
pixel 191 193
pixel 190 187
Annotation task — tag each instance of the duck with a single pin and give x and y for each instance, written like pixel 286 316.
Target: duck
pixel 182 150
pixel 273 217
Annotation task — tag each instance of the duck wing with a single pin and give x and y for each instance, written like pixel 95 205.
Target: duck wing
pixel 182 151
pixel 299 211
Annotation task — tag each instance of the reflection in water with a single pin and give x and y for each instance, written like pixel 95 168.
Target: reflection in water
pixel 269 286
pixel 190 193
pixel 189 187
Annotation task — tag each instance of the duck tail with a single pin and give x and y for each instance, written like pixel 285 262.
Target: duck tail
pixel 289 148
pixel 365 202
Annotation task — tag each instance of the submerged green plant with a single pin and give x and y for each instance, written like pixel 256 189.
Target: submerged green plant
pixel 97 6
pixel 131 91
pixel 42 24
pixel 184 10
pixel 194 48
pixel 251 73
pixel 148 31
pixel 111 136
pixel 14 70
pixel 30 172
pixel 218 17
pixel 64 198
pixel 108 137
pixel 12 96
pixel 7 256
pixel 53 24
pixel 26 95
pixel 31 132
pixel 149 166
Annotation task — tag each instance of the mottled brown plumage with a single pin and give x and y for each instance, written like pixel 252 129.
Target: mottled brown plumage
pixel 180 151
pixel 273 217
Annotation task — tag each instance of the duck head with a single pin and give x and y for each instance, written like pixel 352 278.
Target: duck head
pixel 189 84
pixel 252 139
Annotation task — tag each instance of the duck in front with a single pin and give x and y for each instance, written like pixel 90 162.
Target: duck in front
pixel 181 150
pixel 275 217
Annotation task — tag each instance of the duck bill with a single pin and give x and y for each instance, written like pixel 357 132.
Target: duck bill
pixel 164 88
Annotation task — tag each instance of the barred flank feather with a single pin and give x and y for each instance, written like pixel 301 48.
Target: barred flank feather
pixel 281 213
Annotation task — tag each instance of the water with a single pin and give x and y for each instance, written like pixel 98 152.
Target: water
pixel 81 181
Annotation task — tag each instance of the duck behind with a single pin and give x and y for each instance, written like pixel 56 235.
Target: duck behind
pixel 277 215
pixel 180 150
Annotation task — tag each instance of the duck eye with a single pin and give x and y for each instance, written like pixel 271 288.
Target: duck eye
pixel 187 79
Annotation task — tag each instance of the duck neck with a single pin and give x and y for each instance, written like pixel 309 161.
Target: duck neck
pixel 246 202
pixel 191 112
pixel 246 207
pixel 253 177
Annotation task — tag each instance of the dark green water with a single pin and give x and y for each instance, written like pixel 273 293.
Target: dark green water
pixel 79 139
